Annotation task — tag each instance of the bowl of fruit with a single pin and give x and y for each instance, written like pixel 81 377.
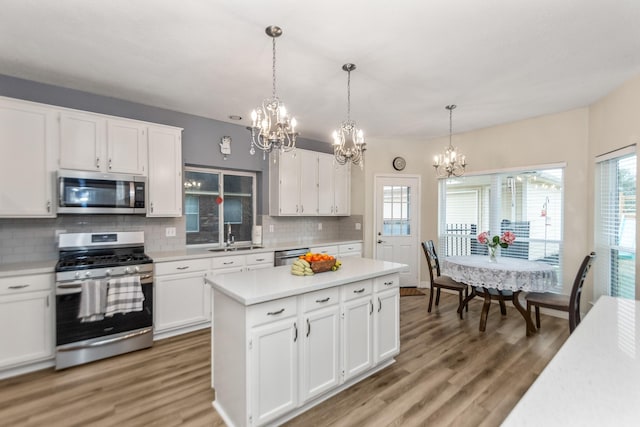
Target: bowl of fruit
pixel 310 263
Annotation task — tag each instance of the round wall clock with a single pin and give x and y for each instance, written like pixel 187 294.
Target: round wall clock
pixel 399 163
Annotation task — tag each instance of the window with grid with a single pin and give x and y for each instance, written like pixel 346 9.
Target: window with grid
pixel 615 220
pixel 217 201
pixel 396 204
pixel 528 203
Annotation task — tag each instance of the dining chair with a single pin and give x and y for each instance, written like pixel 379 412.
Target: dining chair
pixel 439 281
pixel 569 303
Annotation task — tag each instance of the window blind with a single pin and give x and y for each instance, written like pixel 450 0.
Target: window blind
pixel 615 222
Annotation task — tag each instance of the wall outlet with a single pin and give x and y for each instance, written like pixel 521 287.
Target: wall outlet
pixel 358 226
pixel 319 226
pixel 170 232
pixel 270 228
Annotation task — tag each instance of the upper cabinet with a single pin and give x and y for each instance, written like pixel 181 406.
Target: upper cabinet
pixel 36 140
pixel 293 183
pixel 94 142
pixel 165 171
pixel 28 161
pixel 308 183
pixel 334 186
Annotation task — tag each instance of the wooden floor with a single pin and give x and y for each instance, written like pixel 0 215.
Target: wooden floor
pixel 447 373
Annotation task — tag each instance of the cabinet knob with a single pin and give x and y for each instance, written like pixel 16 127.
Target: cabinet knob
pixel 49 206
pixel 97 162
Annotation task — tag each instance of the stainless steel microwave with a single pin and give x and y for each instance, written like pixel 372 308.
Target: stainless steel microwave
pixel 82 192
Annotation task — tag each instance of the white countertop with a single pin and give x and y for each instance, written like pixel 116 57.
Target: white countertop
pixel 594 379
pixel 26 268
pixel 253 287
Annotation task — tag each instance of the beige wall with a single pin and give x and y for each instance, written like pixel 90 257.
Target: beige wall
pixel 614 122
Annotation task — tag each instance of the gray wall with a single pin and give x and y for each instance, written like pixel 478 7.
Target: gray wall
pixel 200 138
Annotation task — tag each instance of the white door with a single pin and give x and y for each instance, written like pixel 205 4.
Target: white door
pixel 387 324
pixel 397 219
pixel 273 375
pixel 357 336
pixel 126 147
pixel 181 300
pixel 320 354
pixel 165 172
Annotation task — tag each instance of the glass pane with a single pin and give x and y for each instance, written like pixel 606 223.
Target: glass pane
pixel 201 208
pixel 395 210
pixel 238 206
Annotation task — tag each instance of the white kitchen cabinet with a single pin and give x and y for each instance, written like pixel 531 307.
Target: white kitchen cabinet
pixel 126 147
pixel 342 190
pixel 357 329
pixel 164 184
pixel 28 143
pixel 350 249
pixel 182 299
pixel 274 368
pixel 334 187
pixel 320 356
pixel 95 142
pixel 386 317
pixel 82 141
pixel 26 320
pixel 293 183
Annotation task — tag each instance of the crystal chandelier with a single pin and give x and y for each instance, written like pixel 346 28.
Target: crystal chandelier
pixel 348 140
pixel 272 128
pixel 451 163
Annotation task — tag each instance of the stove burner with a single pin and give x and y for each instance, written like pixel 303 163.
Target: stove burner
pixel 87 259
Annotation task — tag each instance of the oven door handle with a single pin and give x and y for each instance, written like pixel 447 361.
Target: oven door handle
pixel 71 286
pixel 107 341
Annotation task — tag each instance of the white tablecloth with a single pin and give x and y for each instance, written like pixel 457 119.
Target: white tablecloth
pixel 507 273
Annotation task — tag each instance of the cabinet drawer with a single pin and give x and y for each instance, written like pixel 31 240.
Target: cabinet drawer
pixel 331 250
pixel 357 289
pixel 18 284
pixel 185 266
pixel 228 261
pixel 350 248
pixel 386 282
pixel 271 310
pixel 320 299
pixel 261 258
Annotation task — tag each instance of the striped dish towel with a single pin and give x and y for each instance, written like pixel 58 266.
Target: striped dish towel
pixel 93 300
pixel 124 295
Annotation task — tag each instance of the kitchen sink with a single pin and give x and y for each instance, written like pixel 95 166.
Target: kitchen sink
pixel 235 248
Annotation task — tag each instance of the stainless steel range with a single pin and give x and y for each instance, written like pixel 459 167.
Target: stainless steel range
pixel 92 263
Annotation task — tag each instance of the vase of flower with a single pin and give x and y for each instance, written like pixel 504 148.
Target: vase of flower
pixel 506 239
pixel 492 253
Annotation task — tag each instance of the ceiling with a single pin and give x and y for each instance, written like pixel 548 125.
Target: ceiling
pixel 498 60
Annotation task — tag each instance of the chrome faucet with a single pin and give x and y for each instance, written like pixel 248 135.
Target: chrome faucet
pixel 230 237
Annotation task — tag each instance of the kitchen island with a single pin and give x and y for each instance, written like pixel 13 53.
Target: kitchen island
pixel 283 343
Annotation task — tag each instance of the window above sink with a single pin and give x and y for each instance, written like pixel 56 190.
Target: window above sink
pixel 206 191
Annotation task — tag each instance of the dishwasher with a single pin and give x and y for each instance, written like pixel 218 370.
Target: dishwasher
pixel 288 257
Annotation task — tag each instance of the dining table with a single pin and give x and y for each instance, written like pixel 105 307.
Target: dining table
pixel 504 277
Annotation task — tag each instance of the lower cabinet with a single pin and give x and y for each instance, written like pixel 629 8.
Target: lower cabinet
pixel 26 320
pixel 357 328
pixel 182 299
pixel 274 366
pixel 298 349
pixel 386 318
pixel 320 352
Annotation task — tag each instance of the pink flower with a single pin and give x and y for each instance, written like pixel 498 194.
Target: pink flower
pixel 507 237
pixel 483 237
